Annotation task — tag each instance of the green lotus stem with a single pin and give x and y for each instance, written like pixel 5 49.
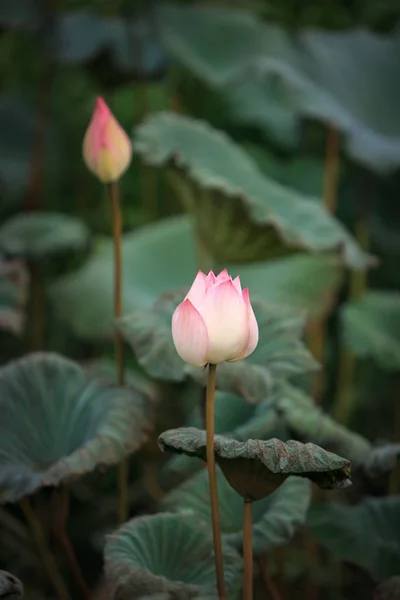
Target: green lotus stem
pixel 347 360
pixel 123 471
pixel 61 501
pixel 270 586
pixel 45 553
pixel 317 330
pixel 212 479
pixel 37 308
pixel 248 550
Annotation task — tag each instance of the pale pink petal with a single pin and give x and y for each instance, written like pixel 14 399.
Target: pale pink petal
pixel 253 329
pixel 197 292
pixel 236 283
pixel 210 280
pixel 223 276
pixel 189 334
pixel 225 315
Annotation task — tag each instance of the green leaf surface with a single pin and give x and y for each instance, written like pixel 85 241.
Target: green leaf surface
pixel 280 352
pixel 349 78
pixel 261 465
pixel 240 214
pixel 309 423
pixel 275 518
pixel 161 257
pixel 372 328
pixel 382 459
pixel 57 424
pixel 14 280
pixel 367 534
pixel 38 235
pixel 233 417
pixel 19 14
pixel 170 553
pixel 10 586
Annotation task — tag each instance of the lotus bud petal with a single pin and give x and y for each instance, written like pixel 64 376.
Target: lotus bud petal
pixel 215 322
pixel 107 150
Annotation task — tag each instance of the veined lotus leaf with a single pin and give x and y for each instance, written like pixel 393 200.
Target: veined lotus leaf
pixel 275 518
pixel 280 351
pixel 308 423
pixel 389 589
pixel 234 417
pixel 38 235
pixel 382 459
pixel 57 424
pixel 241 215
pixel 159 258
pixel 14 280
pixel 372 328
pixel 336 77
pixel 255 468
pixel 106 369
pixel 10 586
pixel 365 534
pixel 170 553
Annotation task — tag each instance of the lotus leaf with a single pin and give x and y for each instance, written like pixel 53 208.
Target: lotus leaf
pixel 240 214
pixel 372 328
pixel 38 235
pixel 382 459
pixel 275 518
pixel 280 351
pixel 58 424
pixel 165 249
pixel 308 423
pixel 366 534
pixel 166 553
pixel 255 468
pixel 10 586
pixel 347 78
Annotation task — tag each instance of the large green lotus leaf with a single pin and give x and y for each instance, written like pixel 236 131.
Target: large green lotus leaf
pixel 372 328
pixel 310 424
pixel 389 589
pixel 234 417
pixel 279 354
pixel 366 534
pixel 38 235
pixel 275 518
pixel 382 459
pixel 255 468
pixel 14 279
pixel 161 257
pixel 10 586
pixel 166 553
pixel 240 214
pixel 57 423
pixel 347 78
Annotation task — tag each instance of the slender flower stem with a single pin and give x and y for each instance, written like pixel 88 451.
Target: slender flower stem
pixel 317 329
pixel 45 553
pixel 212 479
pixel 272 589
pixel 119 343
pixel 248 550
pixel 61 501
pixel 37 309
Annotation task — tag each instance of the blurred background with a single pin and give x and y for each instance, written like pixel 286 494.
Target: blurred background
pixel 291 106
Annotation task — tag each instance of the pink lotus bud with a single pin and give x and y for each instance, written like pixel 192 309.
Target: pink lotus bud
pixel 215 322
pixel 107 150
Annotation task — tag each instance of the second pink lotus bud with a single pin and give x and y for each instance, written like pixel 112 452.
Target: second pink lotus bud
pixel 215 322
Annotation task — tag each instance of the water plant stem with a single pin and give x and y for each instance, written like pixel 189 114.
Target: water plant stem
pixel 248 550
pixel 317 329
pixel 212 480
pixel 37 308
pixel 61 510
pixel 271 588
pixel 45 553
pixel 113 191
